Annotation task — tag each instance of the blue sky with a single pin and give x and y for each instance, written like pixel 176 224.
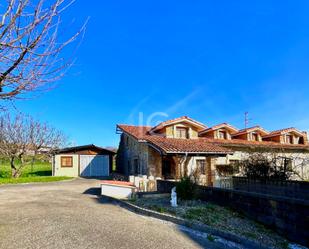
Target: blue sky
pixel 210 60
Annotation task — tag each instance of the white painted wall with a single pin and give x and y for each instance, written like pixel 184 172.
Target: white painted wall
pixel 66 171
pixel 117 191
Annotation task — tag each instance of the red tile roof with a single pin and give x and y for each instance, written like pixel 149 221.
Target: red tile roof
pixel 259 144
pixel 175 145
pixel 219 126
pixel 183 118
pixel 136 131
pixel 283 131
pixel 201 144
pixel 251 129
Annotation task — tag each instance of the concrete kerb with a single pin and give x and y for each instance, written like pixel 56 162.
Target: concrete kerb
pixel 183 222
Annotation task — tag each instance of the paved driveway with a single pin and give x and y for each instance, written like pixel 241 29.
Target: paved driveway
pixel 69 215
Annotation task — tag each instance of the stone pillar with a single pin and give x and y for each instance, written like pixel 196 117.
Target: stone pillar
pixel 185 166
pixel 210 171
pixel 177 161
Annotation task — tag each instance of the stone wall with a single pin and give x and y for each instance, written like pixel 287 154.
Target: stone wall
pixel 294 189
pixel 154 163
pixel 288 216
pixel 129 151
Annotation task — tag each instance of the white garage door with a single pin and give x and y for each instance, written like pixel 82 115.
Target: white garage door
pixel 94 165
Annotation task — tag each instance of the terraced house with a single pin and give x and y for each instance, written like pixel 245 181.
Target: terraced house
pixel 184 146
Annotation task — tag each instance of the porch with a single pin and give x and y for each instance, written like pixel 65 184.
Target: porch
pixel 199 166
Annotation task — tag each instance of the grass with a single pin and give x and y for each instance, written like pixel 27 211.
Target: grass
pixel 39 168
pixel 33 179
pixel 41 171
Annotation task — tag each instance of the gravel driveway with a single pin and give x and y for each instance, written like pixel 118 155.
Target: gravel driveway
pixel 70 215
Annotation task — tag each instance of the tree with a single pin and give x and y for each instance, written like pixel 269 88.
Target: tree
pixel 22 137
pixel 30 47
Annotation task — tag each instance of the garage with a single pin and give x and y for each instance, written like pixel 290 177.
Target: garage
pixel 94 165
pixel 85 161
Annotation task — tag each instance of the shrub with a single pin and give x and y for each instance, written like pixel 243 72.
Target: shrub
pixel 186 189
pixel 263 166
pixel 210 238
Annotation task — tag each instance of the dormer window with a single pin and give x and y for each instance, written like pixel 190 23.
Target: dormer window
pixel 289 139
pixel 222 134
pixel 255 137
pixel 301 140
pixel 182 132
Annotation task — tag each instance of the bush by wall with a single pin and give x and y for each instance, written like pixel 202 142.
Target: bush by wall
pixel 186 189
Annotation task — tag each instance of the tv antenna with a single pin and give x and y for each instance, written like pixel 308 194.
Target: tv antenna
pixel 247 119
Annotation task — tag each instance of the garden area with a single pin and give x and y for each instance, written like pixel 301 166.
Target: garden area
pixel 206 213
pixel 217 217
pixel 39 171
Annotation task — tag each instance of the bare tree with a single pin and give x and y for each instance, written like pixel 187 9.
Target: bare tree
pixel 22 137
pixel 30 45
pixel 274 165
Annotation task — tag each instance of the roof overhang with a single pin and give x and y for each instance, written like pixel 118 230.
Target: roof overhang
pixel 250 130
pixel 291 130
pixel 83 147
pixel 179 120
pixel 191 153
pixel 218 127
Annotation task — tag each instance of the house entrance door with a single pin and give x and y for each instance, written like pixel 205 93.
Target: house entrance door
pixel 167 165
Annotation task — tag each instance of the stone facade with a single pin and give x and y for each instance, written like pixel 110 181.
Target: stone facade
pixel 139 156
pixel 154 163
pixel 132 156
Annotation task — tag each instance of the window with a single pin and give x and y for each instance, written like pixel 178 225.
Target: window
pixel 66 161
pixel 201 166
pixel 222 135
pixel 301 140
pixel 182 132
pixel 289 139
pixel 288 164
pixel 255 137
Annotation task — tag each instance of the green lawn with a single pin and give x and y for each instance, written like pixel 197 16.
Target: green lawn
pixel 33 179
pixel 41 171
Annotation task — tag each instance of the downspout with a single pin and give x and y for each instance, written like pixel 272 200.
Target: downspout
pixel 53 165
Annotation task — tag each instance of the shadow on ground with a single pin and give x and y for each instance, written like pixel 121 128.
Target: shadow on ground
pixel 93 191
pixel 40 173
